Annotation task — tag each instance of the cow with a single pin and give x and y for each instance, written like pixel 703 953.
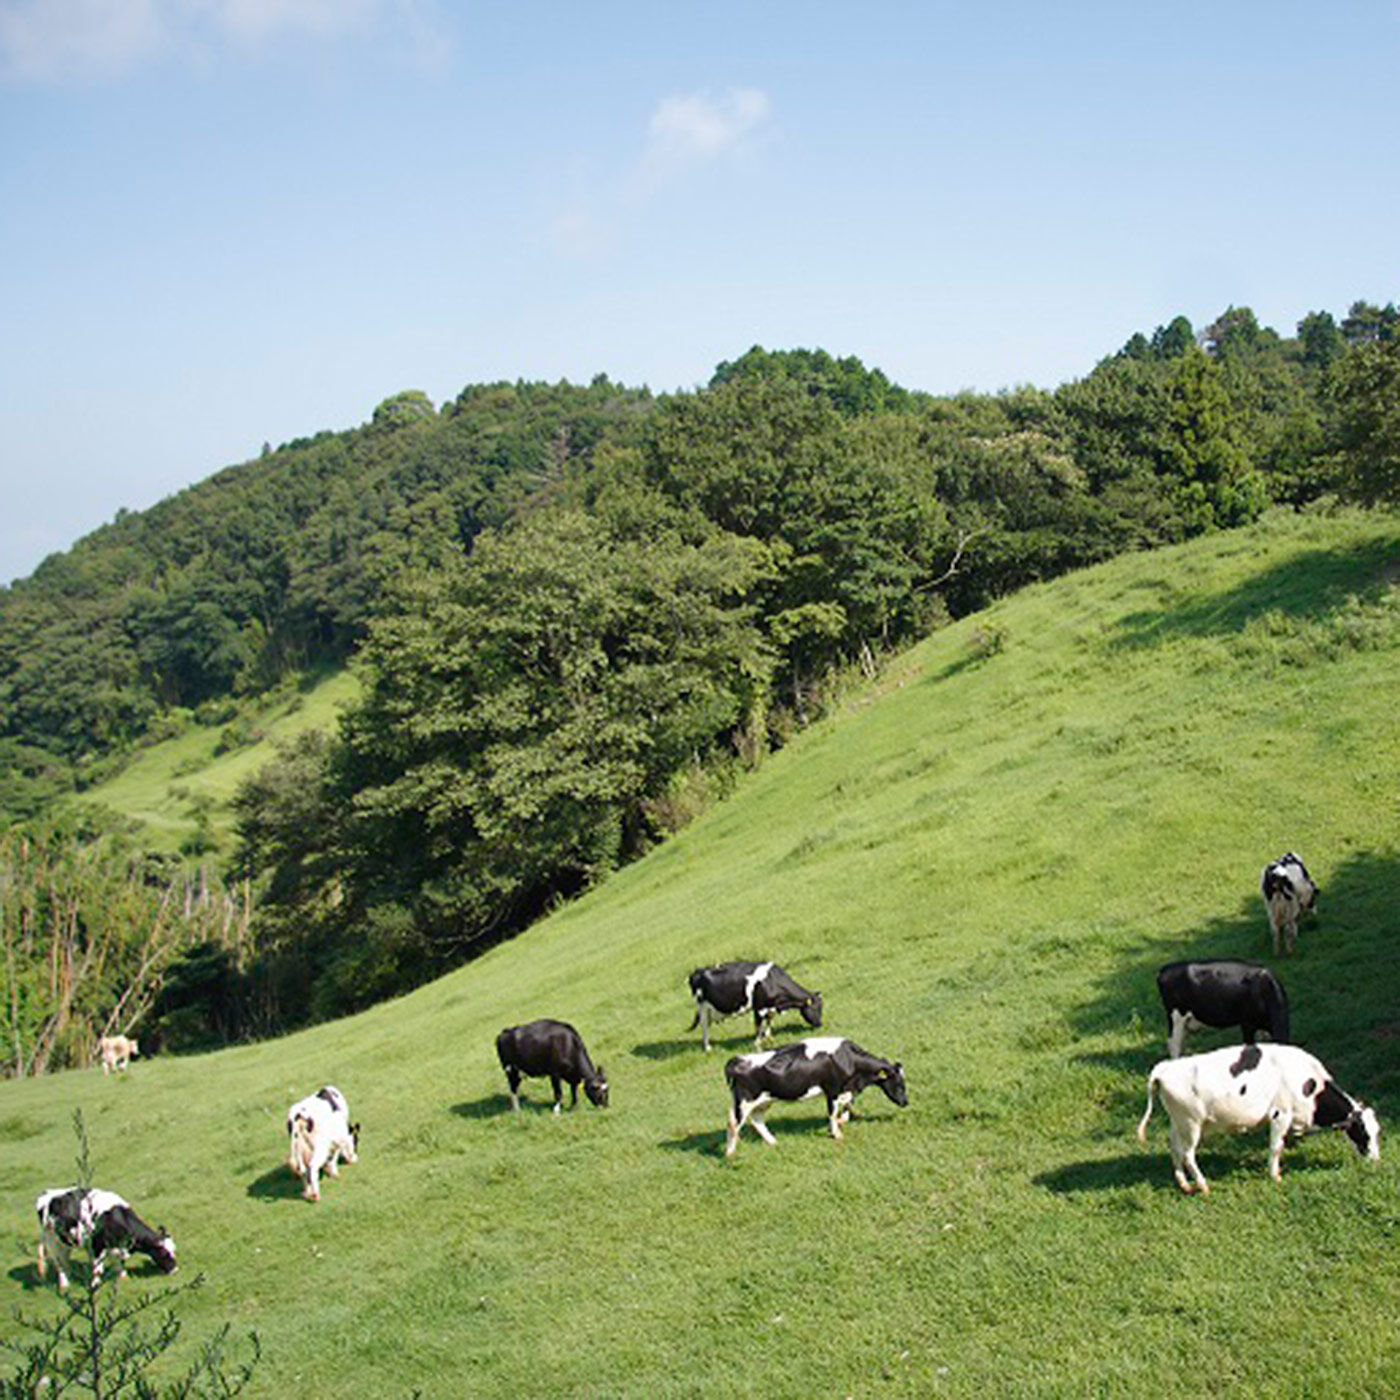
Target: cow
pixel 74 1216
pixel 319 1136
pixel 1221 992
pixel 1288 893
pixel 829 1065
pixel 1242 1086
pixel 761 987
pixel 116 1052
pixel 552 1048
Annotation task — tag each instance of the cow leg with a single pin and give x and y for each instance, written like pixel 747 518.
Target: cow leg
pixel 836 1111
pixel 558 1093
pixel 731 1137
pixel 573 1094
pixel 1186 1145
pixel 761 1128
pixel 762 1025
pixel 513 1079
pixel 1177 1024
pixel 702 1009
pixel 1290 931
pixel 1279 1124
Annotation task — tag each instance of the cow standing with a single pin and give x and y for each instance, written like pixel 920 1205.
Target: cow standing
pixel 74 1216
pixel 828 1065
pixel 1289 893
pixel 761 987
pixel 1218 993
pixel 554 1049
pixel 319 1136
pixel 1240 1087
pixel 116 1052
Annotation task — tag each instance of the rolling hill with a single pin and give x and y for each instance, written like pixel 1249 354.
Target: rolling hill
pixel 980 864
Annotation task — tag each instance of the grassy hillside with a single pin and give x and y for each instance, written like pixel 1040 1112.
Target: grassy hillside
pixel 164 785
pixel 980 866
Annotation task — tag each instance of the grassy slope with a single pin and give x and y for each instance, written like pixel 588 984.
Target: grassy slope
pixel 981 868
pixel 156 786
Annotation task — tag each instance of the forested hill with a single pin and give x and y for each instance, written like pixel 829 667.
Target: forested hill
pixel 279 563
pixel 577 609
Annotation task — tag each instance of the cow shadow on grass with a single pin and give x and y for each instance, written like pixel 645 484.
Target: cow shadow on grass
pixel 278 1184
pixel 711 1143
pixel 27 1276
pixel 1152 1166
pixel 498 1105
pixel 669 1049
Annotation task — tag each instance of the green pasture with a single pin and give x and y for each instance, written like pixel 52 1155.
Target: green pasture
pixel 164 784
pixel 980 863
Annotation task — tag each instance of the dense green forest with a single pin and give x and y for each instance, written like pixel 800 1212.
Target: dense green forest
pixel 578 613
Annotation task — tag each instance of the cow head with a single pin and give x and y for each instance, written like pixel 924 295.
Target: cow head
pixel 1364 1130
pixel 812 1009
pixel 891 1080
pixel 597 1088
pixel 162 1251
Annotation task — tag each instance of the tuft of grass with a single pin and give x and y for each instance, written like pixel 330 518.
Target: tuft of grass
pixel 981 868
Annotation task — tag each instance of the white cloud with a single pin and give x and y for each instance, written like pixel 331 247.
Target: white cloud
pixel 58 40
pixel 52 39
pixel 686 130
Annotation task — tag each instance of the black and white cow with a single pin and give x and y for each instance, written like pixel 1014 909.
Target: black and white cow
pixel 319 1136
pixel 555 1049
pixel 1242 1086
pixel 1288 893
pixel 761 987
pixel 1218 993
pixel 74 1216
pixel 829 1065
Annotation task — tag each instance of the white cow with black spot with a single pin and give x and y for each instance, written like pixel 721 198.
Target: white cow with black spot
pixel 1240 1087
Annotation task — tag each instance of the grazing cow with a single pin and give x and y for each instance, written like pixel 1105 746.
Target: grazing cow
pixel 1288 892
pixel 319 1136
pixel 116 1052
pixel 73 1216
pixel 1242 1086
pixel 1221 992
pixel 552 1048
pixel 761 987
pixel 829 1065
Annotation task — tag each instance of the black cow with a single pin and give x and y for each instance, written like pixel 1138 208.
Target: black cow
pixel 552 1048
pixel 1222 992
pixel 72 1216
pixel 763 988
pixel 829 1065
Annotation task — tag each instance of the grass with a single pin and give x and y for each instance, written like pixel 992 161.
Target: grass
pixel 980 864
pixel 165 784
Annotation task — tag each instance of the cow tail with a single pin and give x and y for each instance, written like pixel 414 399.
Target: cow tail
pixel 1151 1089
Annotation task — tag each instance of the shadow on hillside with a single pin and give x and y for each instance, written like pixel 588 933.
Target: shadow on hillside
pixel 1152 1166
pixel 279 1184
pixel 1312 585
pixel 27 1276
pixel 498 1105
pixel 1343 984
pixel 669 1049
pixel 711 1144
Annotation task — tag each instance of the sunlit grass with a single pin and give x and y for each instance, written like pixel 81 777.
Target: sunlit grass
pixel 980 864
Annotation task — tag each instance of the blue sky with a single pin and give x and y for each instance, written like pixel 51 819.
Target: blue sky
pixel 230 222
